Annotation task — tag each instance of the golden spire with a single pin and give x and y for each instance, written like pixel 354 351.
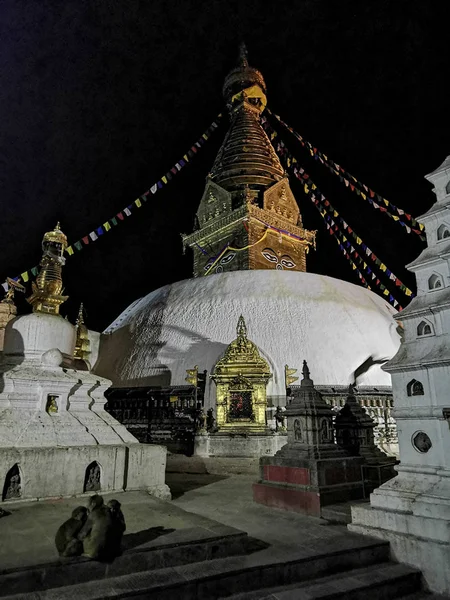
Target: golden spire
pixel 82 344
pixel 246 156
pixel 46 290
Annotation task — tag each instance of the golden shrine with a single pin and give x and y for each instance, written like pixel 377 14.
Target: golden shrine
pixel 241 377
pixel 248 217
pixel 46 290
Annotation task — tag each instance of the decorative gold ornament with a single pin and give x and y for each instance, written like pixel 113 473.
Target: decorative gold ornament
pixel 192 376
pixel 241 377
pixel 82 344
pixel 289 376
pixel 46 294
pixel 52 405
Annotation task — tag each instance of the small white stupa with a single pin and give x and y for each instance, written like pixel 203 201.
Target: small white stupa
pixel 56 439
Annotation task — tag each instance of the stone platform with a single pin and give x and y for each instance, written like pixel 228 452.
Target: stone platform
pixel 237 445
pixel 176 549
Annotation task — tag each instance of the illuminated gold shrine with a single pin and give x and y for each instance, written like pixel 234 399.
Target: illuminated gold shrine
pixel 241 377
pixel 82 344
pixel 47 290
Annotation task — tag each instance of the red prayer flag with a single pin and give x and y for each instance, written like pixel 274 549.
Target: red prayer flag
pixel 120 215
pixel 86 239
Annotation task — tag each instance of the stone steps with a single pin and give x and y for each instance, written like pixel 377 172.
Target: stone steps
pixel 194 544
pixel 192 576
pixel 385 580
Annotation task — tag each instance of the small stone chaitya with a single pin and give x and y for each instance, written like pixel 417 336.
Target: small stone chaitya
pixel 311 470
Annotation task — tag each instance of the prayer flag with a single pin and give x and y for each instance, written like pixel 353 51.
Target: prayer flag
pixel 107 226
pixel 24 276
pixel 100 231
pixel 164 179
pixel 93 236
pixel 120 215
pixel 69 250
pixel 77 245
pixel 86 239
pixel 138 203
pixel 153 189
pixel 127 211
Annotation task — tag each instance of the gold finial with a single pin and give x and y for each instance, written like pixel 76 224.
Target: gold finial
pixel 241 329
pixel 243 54
pixel 80 319
pixel 47 290
pixel 82 344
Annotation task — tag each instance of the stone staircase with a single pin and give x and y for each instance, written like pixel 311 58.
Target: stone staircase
pixel 200 563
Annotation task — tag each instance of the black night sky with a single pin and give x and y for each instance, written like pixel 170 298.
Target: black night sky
pixel 99 99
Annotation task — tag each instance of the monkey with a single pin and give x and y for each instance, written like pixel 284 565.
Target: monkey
pixel 97 530
pixel 118 527
pixel 66 539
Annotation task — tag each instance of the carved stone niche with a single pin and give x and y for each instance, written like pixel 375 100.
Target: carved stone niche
pixel 92 478
pixel 12 488
pixel 446 415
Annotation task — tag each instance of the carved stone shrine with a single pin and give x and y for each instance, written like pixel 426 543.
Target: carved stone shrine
pixel 310 471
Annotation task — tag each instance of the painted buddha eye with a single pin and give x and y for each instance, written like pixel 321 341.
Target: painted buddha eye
pixel 287 262
pixel 228 258
pixel 269 255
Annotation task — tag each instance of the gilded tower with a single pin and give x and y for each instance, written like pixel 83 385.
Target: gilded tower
pixel 248 217
pixel 46 290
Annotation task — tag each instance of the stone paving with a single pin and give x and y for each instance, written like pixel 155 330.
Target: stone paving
pixel 27 534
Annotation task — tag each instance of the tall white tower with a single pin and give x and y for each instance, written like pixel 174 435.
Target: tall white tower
pixel 412 510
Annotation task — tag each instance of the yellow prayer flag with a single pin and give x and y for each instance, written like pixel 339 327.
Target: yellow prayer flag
pixel 204 136
pixel 335 213
pixel 395 218
pixel 186 158
pixel 386 292
pixel 306 188
pixel 344 238
pixel 107 226
pixel 24 276
pixel 364 196
pixel 365 265
pixel 386 201
pixel 383 267
pixel 69 250
pixel 314 186
pixel 164 179
pixel 325 156
pixel 353 266
pixel 138 203
pixel 408 292
pixel 358 240
pixel 288 162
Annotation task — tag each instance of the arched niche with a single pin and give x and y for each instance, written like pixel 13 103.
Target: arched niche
pixel 12 487
pixel 435 282
pixel 424 328
pixel 415 388
pixel 443 231
pixel 92 477
pixel 447 188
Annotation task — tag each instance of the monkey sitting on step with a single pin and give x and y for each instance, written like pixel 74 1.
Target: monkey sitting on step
pixel 66 539
pixel 118 527
pixel 97 531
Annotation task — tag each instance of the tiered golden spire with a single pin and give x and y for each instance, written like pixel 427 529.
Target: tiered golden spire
pixel 46 290
pixel 246 156
pixel 82 344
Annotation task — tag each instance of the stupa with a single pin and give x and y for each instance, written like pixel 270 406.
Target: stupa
pixel 249 258
pixel 56 439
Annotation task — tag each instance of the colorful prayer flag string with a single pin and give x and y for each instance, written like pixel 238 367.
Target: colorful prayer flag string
pixel 324 207
pixel 356 186
pixel 130 208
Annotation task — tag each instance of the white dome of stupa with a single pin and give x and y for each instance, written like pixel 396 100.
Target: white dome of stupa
pixel 291 316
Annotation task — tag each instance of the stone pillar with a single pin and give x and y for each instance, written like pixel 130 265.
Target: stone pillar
pixel 412 510
pixel 310 471
pixel 355 434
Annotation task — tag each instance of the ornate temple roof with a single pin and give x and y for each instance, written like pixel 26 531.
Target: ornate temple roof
pixel 246 156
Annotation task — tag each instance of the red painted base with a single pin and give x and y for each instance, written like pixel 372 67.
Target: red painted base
pixel 300 501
